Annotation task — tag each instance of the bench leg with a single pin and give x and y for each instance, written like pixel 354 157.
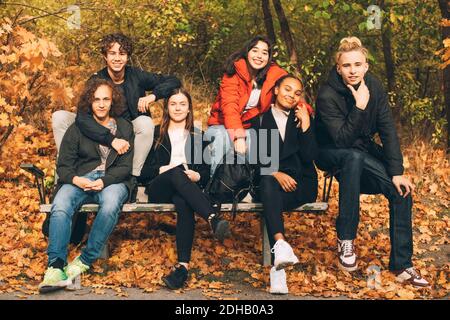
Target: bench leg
pixel 265 242
pixel 327 187
pixel 105 252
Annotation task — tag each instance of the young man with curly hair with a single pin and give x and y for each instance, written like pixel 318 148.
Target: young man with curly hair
pixel 88 173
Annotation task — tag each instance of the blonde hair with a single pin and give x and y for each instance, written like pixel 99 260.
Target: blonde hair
pixel 350 44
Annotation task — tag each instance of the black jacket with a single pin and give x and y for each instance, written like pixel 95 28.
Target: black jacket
pixel 341 124
pixel 136 83
pixel 296 153
pixel 195 150
pixel 80 155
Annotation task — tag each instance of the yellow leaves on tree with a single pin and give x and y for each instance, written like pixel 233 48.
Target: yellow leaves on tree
pixel 29 87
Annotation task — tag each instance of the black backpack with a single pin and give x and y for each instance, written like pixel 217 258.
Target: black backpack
pixel 230 183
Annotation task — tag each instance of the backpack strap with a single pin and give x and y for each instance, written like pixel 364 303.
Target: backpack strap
pixel 236 201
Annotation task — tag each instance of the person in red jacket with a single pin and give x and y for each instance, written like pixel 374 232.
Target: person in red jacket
pixel 246 91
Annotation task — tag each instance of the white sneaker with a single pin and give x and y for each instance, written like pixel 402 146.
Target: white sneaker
pixel 411 276
pixel 278 281
pixel 284 255
pixel 347 255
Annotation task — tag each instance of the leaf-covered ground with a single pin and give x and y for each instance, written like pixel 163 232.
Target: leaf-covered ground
pixel 142 253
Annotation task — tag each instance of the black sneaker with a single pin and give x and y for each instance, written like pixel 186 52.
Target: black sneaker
pixel 177 278
pixel 219 227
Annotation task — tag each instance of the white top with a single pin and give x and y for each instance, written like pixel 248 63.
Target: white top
pixel 281 118
pixel 254 98
pixel 178 140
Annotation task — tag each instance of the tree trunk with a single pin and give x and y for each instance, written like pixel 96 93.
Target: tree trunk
pixel 268 21
pixel 386 35
pixel 286 33
pixel 444 6
pixel 288 39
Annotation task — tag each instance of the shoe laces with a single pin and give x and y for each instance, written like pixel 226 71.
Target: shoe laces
pixel 413 273
pixel 277 244
pixel 347 247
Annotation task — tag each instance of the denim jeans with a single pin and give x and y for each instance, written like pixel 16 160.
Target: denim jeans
pixel 67 201
pixel 362 173
pixel 221 144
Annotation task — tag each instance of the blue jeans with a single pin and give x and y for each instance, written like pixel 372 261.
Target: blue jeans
pixel 67 201
pixel 221 144
pixel 362 173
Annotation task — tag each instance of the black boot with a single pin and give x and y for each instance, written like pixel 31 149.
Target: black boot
pixel 177 278
pixel 219 227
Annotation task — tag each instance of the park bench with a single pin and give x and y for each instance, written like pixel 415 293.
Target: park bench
pixel 316 207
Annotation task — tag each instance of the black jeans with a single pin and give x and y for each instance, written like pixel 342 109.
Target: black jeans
pixel 173 186
pixel 362 173
pixel 275 200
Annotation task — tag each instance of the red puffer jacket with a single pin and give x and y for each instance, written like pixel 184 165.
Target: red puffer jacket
pixel 234 94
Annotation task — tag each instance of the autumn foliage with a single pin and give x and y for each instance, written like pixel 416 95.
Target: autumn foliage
pixel 33 84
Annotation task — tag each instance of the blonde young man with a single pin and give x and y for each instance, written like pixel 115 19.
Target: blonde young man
pixel 351 108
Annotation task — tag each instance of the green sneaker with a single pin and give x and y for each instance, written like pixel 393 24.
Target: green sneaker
pixel 75 268
pixel 54 279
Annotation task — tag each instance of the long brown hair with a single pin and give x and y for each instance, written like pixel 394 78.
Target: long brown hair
pixel 166 118
pixel 87 97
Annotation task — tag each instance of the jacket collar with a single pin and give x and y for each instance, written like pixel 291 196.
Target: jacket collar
pixel 337 83
pixel 242 69
pixel 105 74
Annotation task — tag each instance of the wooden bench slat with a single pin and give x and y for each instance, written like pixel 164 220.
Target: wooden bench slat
pixel 168 207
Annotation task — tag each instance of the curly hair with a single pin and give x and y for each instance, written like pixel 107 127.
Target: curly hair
pixel 124 42
pixel 87 97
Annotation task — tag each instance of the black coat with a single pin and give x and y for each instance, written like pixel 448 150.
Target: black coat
pixel 136 83
pixel 341 124
pixel 197 157
pixel 80 155
pixel 296 153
